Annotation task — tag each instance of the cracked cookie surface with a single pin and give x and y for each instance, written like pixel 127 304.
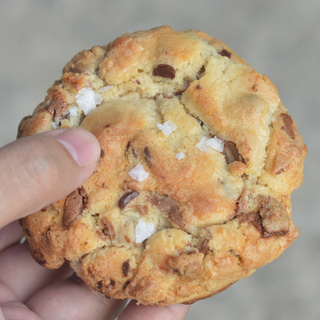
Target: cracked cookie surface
pixel 198 161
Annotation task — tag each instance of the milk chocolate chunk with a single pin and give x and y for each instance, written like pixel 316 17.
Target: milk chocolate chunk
pixel 275 220
pixel 107 228
pixel 74 206
pixel 288 125
pixel 231 152
pixel 58 104
pixel 170 208
pixel 187 265
pixel 164 71
pixel 126 198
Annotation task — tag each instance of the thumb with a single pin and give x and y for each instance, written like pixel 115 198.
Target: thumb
pixel 38 170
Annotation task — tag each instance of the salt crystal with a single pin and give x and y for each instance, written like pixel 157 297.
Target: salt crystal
pixel 53 125
pixel 88 100
pixel 138 173
pixel 205 144
pixel 144 231
pixel 180 155
pixel 104 89
pixel 73 111
pixel 167 128
pixel 216 144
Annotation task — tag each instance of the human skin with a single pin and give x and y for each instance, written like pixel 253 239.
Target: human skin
pixel 34 172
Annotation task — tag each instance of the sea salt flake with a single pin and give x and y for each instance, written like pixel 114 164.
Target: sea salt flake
pixel 104 89
pixel 88 100
pixel 216 144
pixel 167 128
pixel 53 125
pixel 180 155
pixel 144 231
pixel 205 144
pixel 73 111
pixel 138 173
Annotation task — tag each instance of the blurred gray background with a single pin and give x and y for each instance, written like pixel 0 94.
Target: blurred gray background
pixel 279 38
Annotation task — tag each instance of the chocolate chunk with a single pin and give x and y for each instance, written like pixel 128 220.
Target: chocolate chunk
pixel 253 218
pixel 102 153
pixel 201 72
pixel 126 284
pixel 170 208
pixel 271 219
pixel 187 265
pixel 225 53
pixel 74 206
pixel 126 268
pixel 204 246
pixel 99 285
pixel 275 220
pixel 148 157
pixel 288 125
pixel 126 198
pixel 107 228
pixel 143 210
pixel 198 87
pixel 58 104
pixel 231 152
pixel 164 71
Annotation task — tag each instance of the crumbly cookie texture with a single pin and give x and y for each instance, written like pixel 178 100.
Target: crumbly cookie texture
pixel 198 161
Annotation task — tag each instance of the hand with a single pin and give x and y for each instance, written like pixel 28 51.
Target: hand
pixel 34 172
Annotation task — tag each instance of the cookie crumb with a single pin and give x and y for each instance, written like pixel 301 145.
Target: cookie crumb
pixel 167 128
pixel 144 231
pixel 138 173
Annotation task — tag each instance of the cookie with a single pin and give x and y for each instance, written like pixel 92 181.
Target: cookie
pixel 198 161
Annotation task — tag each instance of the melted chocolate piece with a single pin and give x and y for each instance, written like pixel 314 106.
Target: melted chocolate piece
pixel 288 125
pixel 231 152
pixel 126 198
pixel 225 53
pixel 74 206
pixel 126 268
pixel 164 71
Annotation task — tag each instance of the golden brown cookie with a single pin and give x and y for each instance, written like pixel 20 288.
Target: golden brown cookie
pixel 199 159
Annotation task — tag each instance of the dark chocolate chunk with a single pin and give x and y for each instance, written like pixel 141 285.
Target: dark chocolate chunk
pixel 126 284
pixel 126 268
pixel 102 153
pixel 99 285
pixel 225 53
pixel 288 125
pixel 126 198
pixel 164 71
pixel 74 206
pixel 231 152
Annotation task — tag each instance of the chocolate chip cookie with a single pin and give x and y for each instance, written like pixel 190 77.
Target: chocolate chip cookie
pixel 198 161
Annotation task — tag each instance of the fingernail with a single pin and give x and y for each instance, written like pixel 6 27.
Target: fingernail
pixel 81 144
